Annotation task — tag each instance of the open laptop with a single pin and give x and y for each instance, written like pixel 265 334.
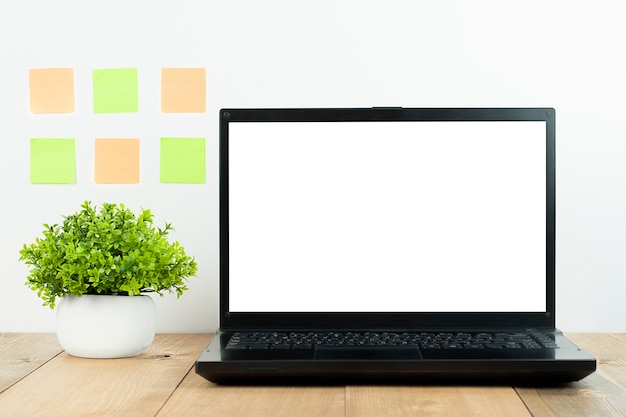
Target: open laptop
pixel 388 245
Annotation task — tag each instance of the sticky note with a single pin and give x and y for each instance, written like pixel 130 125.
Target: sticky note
pixel 52 90
pixel 52 161
pixel 183 90
pixel 116 161
pixel 115 90
pixel 183 160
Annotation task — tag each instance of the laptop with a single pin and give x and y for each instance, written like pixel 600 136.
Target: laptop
pixel 388 245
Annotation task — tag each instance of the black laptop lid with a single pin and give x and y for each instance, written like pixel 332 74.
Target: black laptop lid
pixel 386 218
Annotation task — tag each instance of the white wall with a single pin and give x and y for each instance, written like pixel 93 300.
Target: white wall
pixel 272 53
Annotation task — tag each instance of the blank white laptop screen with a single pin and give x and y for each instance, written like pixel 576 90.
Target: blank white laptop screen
pixel 387 216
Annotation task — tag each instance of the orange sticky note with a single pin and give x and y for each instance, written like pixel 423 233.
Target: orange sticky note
pixel 51 90
pixel 183 90
pixel 116 161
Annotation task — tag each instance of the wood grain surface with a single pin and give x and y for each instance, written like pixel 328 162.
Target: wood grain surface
pixel 22 353
pixel 38 379
pixel 70 386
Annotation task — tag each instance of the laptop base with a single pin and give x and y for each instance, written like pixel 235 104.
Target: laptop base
pixel 564 364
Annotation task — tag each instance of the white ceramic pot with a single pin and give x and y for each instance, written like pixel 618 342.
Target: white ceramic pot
pixel 106 326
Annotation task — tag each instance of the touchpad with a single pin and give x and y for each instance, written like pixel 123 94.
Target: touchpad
pixel 366 353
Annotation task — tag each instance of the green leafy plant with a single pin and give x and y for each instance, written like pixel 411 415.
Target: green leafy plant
pixel 110 251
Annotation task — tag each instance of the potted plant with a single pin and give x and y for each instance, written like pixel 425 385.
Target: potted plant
pixel 100 264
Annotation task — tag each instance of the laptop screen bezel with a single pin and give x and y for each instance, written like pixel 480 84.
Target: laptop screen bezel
pixel 230 320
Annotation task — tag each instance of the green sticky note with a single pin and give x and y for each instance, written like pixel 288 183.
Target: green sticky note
pixel 115 90
pixel 183 160
pixel 52 161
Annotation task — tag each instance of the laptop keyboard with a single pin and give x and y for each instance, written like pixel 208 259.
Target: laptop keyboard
pixel 310 340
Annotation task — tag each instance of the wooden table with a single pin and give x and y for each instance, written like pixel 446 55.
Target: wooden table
pixel 38 379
